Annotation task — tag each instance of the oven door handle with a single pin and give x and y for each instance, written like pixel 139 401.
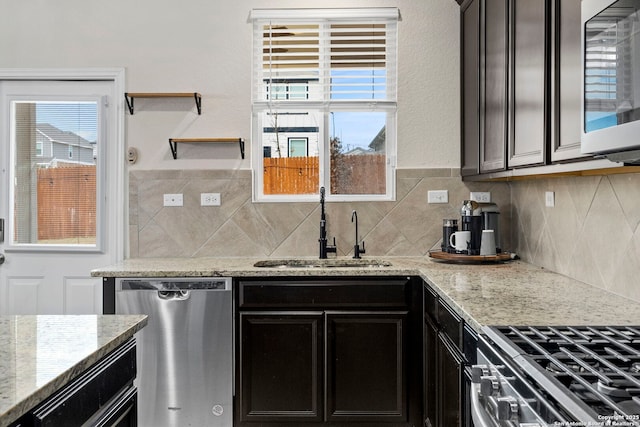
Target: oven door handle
pixel 478 414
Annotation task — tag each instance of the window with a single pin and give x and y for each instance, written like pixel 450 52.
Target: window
pixel 55 192
pixel 324 103
pixel 298 147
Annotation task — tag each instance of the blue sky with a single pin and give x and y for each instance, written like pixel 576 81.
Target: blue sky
pixel 356 129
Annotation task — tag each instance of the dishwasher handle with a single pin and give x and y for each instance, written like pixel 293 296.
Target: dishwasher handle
pixel 180 295
pixel 174 284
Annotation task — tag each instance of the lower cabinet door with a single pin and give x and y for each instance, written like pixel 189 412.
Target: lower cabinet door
pixel 281 367
pixel 430 374
pixel 366 366
pixel 451 381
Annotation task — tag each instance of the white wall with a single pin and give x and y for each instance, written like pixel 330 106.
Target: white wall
pixel 205 46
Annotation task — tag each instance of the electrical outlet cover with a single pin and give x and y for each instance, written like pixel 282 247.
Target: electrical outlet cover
pixel 480 196
pixel 172 200
pixel 209 199
pixel 438 196
pixel 549 199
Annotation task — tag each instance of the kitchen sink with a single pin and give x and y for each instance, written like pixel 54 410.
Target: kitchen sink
pixel 322 263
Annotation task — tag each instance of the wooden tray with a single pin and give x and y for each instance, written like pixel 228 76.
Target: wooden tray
pixel 462 258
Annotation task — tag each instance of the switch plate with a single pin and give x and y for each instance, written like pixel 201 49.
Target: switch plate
pixel 438 196
pixel 550 199
pixel 173 200
pixel 480 196
pixel 209 199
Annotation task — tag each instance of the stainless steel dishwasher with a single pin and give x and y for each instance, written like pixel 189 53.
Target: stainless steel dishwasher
pixel 185 353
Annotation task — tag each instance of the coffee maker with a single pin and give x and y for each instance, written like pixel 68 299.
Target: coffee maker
pixel 476 217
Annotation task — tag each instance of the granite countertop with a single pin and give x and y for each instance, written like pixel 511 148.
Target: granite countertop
pixel 510 293
pixel 40 354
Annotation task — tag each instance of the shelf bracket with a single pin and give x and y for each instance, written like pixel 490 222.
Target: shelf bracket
pixel 198 99
pixel 174 148
pixel 129 103
pixel 241 142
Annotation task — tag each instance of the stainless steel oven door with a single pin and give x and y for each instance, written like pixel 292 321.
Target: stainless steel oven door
pixel 495 403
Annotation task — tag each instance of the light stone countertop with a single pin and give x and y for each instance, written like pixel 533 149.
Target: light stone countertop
pixel 510 293
pixel 40 354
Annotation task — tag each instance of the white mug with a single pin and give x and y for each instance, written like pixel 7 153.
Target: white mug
pixel 460 240
pixel 488 243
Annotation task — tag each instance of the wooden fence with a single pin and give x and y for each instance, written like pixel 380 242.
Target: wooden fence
pixel 66 202
pixel 355 174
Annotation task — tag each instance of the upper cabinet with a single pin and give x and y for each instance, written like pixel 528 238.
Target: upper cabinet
pixel 494 47
pixel 520 84
pixel 529 84
pixel 565 82
pixel 470 30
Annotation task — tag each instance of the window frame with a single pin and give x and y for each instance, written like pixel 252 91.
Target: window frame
pixel 326 106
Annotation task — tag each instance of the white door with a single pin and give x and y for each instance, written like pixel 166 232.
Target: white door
pixel 59 197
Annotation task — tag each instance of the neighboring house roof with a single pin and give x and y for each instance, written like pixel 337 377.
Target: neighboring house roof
pixel 359 150
pixel 54 134
pixel 377 144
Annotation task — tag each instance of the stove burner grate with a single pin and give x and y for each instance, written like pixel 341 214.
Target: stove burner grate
pixel 599 366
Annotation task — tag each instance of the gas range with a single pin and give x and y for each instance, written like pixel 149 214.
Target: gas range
pixel 557 376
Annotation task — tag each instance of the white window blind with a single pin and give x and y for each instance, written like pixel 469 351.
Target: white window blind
pixel 344 55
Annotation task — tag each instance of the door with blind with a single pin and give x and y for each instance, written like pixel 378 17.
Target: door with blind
pixel 55 144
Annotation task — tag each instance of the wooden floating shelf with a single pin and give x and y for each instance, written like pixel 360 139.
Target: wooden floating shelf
pixel 173 143
pixel 129 97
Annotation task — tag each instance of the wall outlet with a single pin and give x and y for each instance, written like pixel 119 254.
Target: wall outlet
pixel 549 199
pixel 209 199
pixel 480 196
pixel 173 200
pixel 438 196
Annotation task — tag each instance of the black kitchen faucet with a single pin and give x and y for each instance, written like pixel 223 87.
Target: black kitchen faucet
pixel 357 250
pixel 324 248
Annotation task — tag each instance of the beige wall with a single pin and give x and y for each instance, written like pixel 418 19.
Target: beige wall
pixel 205 46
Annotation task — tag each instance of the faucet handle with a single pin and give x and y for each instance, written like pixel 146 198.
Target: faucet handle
pixel 357 250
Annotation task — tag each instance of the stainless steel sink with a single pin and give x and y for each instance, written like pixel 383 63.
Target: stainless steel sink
pixel 322 263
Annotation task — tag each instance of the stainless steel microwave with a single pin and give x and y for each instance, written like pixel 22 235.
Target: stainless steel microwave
pixel 611 79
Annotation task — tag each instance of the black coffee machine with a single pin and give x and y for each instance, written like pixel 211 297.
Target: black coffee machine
pixel 476 217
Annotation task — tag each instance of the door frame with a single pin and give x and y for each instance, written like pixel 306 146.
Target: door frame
pixel 117 208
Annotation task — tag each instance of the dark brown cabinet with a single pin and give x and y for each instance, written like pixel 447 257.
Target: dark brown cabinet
pixel 565 82
pixel 449 349
pixel 471 112
pixel 366 366
pixel 332 352
pixel 529 91
pixel 520 84
pixel 282 366
pixel 103 396
pixel 494 49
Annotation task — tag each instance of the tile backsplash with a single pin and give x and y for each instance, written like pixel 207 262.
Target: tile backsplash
pixel 592 234
pixel 408 226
